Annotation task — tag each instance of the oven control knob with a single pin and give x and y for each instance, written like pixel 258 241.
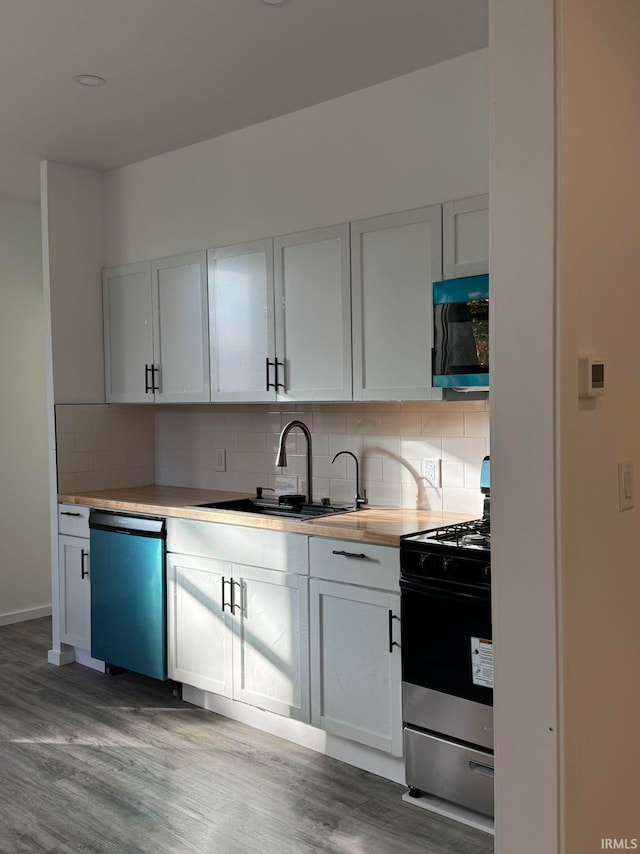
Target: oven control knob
pixel 486 573
pixel 445 565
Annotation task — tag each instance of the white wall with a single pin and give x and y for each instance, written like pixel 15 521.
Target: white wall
pixel 600 311
pixel 523 471
pixel 25 589
pixel 72 202
pixel 412 141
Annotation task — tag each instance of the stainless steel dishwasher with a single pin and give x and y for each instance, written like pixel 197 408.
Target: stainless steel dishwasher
pixel 128 592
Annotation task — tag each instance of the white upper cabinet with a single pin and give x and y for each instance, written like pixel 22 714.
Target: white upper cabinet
pixel 466 237
pixel 394 260
pixel 128 333
pixel 156 331
pixel 180 329
pixel 241 323
pixel 313 312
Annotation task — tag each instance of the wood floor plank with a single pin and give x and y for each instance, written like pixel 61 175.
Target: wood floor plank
pixel 117 765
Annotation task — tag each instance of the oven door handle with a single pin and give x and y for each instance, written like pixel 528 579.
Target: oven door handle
pixel 481 768
pixel 426 589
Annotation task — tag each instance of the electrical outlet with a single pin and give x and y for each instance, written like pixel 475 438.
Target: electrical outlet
pixel 221 459
pixel 431 472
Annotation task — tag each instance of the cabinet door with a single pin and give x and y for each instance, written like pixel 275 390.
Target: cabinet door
pixel 313 315
pixel 199 632
pixel 241 322
pixel 271 641
pixel 355 669
pixel 128 333
pixel 75 591
pixel 181 329
pixel 465 237
pixel 395 260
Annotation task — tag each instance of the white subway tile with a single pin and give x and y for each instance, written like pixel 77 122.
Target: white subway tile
pixel 282 484
pixel 364 423
pixel 66 443
pixel 238 422
pixel 443 424
pixel 266 422
pixel 426 448
pixel 252 442
pixel 463 450
pixel 402 423
pixel 73 419
pixel 330 422
pixel 92 442
pixel 371 468
pixel 418 497
pixel 140 458
pixel 384 494
pixel 323 467
pixel 342 491
pixel 343 442
pixel 464 406
pixel 109 460
pixel 452 474
pixel 380 446
pixel 476 424
pixel 467 501
pixel 75 462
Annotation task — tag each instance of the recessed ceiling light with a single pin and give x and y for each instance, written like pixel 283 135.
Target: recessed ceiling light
pixel 275 2
pixel 89 80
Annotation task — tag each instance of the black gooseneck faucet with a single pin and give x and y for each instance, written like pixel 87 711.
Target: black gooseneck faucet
pixel 359 501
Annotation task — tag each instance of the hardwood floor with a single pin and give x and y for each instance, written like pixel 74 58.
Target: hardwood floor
pixel 94 763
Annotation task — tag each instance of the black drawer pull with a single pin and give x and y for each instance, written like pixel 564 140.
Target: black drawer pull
pixel 83 556
pixel 392 643
pixel 67 513
pixel 358 555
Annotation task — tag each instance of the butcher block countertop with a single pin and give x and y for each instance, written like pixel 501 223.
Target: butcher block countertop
pixel 378 525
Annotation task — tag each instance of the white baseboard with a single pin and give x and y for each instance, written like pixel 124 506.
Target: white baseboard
pixel 457 813
pixel 84 657
pixel 389 767
pixel 60 657
pixel 23 616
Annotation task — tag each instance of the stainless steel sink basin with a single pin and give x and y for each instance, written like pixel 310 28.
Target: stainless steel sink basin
pixel 271 508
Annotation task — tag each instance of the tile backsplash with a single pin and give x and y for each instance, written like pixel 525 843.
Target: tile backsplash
pixel 390 439
pixel 111 446
pixel 102 446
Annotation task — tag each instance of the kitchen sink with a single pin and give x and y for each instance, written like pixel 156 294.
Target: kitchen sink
pixel 299 511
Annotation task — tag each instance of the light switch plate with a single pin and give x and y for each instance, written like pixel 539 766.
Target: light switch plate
pixel 625 484
pixel 221 459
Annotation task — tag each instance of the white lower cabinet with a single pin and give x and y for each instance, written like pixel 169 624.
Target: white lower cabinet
pixel 74 591
pixel 355 664
pixel 240 631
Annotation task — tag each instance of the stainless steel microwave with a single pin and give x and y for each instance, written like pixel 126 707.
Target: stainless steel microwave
pixel 461 333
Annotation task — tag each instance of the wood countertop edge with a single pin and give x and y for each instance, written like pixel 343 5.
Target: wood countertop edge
pixel 347 526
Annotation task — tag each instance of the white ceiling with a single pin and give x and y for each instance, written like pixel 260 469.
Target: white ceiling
pixel 180 71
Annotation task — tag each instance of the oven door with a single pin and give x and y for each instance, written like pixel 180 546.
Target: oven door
pixel 447 662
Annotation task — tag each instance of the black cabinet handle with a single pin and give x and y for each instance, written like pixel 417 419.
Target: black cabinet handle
pixel 83 570
pixel 155 387
pixel 278 383
pixel 233 596
pixel 392 643
pixel 147 387
pixel 224 604
pixel 67 513
pixel 268 365
pixel 358 555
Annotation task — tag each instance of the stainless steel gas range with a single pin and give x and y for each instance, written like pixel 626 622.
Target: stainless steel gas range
pixel 447 661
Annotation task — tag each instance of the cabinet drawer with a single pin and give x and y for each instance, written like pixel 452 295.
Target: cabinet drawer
pixel 73 520
pixel 355 563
